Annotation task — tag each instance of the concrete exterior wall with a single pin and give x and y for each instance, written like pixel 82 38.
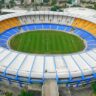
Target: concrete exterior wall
pixel 38 1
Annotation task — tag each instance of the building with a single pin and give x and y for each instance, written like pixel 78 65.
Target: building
pixel 89 1
pixel 74 2
pixel 27 2
pixel 33 1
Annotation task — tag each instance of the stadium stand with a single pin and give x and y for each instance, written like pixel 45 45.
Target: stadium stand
pixel 90 40
pixel 9 23
pixel 85 25
pixel 21 67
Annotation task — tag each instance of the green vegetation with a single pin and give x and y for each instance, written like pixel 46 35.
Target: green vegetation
pixel 55 8
pixel 69 1
pixel 95 6
pixel 46 1
pixel 94 88
pixel 53 2
pixel 46 42
pixel 9 94
pixel 29 93
pixel 25 93
pixel 1 5
pixel 12 3
pixel 22 1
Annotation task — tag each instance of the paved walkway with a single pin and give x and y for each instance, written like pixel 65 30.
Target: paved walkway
pixel 50 88
pixel 81 92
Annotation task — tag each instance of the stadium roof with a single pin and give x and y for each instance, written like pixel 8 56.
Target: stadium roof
pixel 49 66
pixel 84 13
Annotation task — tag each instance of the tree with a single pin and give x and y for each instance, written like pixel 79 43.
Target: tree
pixel 46 1
pixel 2 1
pixel 94 87
pixel 12 3
pixel 55 8
pixel 54 2
pixel 22 1
pixel 69 1
pixel 95 6
pixel 9 94
pixel 1 6
pixel 25 93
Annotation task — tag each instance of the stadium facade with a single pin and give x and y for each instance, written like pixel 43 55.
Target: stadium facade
pixel 71 69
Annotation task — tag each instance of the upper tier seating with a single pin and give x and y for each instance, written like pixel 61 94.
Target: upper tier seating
pixel 85 25
pixel 65 20
pixel 14 25
pixel 9 23
pixel 36 19
pixel 46 19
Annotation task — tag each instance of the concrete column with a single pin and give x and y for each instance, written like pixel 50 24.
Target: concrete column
pixel 50 88
pixel 27 2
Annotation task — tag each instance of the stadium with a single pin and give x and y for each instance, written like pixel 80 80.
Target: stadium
pixel 32 49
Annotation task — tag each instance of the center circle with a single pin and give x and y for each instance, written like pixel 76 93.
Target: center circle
pixel 46 42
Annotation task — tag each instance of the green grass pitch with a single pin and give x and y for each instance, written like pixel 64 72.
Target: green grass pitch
pixel 46 42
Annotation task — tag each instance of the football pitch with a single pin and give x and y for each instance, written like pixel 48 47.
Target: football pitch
pixel 46 42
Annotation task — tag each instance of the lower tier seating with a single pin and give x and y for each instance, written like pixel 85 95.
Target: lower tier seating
pixel 90 40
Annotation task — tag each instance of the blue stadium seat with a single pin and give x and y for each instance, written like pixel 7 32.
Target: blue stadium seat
pixel 25 28
pixel 91 42
pixel 91 47
pixel 61 27
pixel 85 34
pixel 4 37
pixel 38 26
pixel 53 26
pixel 89 38
pixel 78 32
pixel 68 28
pixel 46 26
pixel 31 27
